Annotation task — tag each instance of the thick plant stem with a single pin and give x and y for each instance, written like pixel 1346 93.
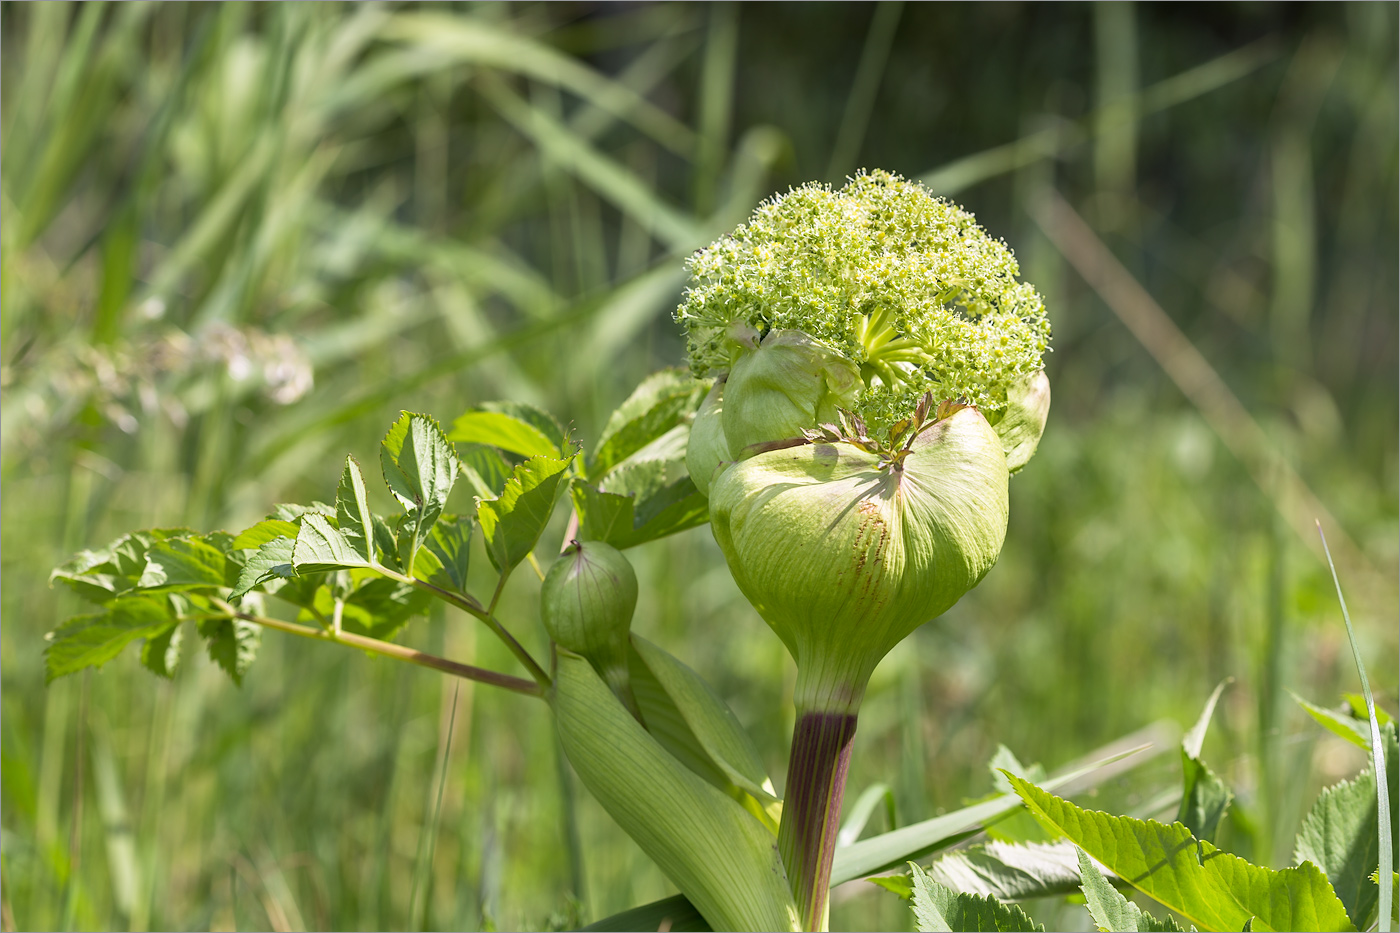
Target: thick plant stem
pixel 816 782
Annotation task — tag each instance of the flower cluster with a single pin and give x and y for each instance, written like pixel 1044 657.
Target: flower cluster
pixel 905 285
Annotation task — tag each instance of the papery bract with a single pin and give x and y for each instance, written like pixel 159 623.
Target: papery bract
pixel 844 552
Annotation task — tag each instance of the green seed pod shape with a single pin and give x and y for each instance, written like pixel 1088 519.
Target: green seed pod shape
pixel 587 602
pixel 844 552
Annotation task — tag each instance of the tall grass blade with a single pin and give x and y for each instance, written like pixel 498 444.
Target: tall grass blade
pixel 1386 879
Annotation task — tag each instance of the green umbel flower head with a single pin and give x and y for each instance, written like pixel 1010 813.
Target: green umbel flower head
pixel 905 287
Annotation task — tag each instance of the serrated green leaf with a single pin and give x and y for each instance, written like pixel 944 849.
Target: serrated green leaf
pixel 184 563
pixel 1213 889
pixel 936 908
pixel 420 466
pixel 103 575
pixel 661 402
pixel 894 848
pixel 1112 912
pixel 161 652
pixel 512 523
pixel 272 561
pixel 450 542
pixel 1204 797
pixel 232 644
pixel 1018 826
pixel 264 531
pixel 538 418
pixel 484 469
pixel 1339 723
pixel 622 521
pixel 1010 871
pixel 507 432
pixel 1340 836
pixel 379 607
pixel 93 640
pixel 291 512
pixel 353 516
pixel 321 546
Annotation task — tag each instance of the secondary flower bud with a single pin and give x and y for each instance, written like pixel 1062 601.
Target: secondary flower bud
pixel 844 551
pixel 586 604
pixel 783 386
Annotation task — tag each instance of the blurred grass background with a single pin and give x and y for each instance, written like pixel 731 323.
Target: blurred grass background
pixel 239 238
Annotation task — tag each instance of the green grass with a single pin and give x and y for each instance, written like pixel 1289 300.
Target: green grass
pixel 204 204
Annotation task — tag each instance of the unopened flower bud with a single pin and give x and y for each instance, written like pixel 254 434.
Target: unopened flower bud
pixel 586 604
pixel 785 385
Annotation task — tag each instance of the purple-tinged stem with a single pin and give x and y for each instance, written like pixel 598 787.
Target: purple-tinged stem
pixel 816 782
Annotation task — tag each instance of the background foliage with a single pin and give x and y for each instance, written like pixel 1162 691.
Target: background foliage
pixel 238 239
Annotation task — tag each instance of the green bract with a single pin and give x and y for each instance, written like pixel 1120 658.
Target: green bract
pixel 905 286
pixel 844 551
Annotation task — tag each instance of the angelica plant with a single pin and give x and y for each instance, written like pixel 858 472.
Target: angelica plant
pixel 869 378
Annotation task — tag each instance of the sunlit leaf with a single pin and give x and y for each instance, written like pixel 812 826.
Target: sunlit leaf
pixel 512 523
pixel 1213 889
pixel 505 431
pixel 322 546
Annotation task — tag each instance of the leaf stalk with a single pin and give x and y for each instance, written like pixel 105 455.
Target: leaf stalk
pixel 391 650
